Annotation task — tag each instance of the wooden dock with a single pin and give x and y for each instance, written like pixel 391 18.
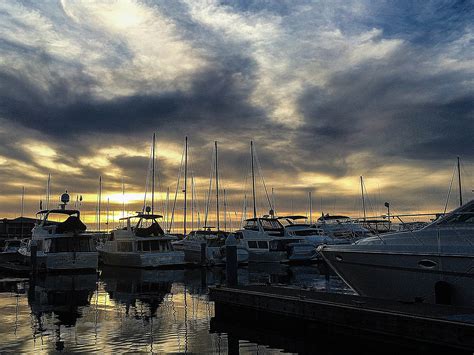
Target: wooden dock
pixel 422 325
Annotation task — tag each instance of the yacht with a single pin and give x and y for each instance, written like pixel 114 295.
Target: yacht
pixel 434 264
pixel 10 250
pixel 213 243
pixel 265 240
pixel 297 226
pixel 341 227
pixel 142 243
pixel 61 241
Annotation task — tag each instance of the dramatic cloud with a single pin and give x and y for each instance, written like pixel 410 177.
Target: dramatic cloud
pixel 328 90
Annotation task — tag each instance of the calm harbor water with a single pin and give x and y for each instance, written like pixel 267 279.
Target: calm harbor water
pixel 124 310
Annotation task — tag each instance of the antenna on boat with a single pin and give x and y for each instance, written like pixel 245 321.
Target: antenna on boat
pixel 459 182
pixel 185 181
pixel 253 181
pixel 153 175
pixel 217 187
pixel 363 197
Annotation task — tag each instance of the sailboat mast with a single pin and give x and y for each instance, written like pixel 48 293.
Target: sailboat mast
pixel 48 191
pixel 192 201
pixel 22 209
pixel 363 196
pixel 99 203
pixel 459 182
pixel 185 182
pixel 123 198
pixel 153 176
pixel 310 207
pixel 225 212
pixel 107 216
pixel 217 187
pixel 167 206
pixel 253 181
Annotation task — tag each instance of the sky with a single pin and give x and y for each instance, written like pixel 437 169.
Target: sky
pixel 328 90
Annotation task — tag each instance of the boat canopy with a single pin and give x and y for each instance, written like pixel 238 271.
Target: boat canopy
pixel 144 216
pixel 68 212
pixel 293 217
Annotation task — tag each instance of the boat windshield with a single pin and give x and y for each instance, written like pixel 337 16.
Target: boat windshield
pixel 271 224
pixel 461 217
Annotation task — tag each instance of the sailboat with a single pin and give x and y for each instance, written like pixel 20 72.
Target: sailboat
pixel 142 243
pixel 265 239
pixel 208 241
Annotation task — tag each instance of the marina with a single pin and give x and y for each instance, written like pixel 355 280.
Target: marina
pixel 237 177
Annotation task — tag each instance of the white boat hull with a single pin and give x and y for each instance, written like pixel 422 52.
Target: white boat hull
pixel 65 261
pixel 405 276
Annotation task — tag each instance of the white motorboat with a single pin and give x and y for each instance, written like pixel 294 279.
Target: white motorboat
pixel 265 240
pixel 310 233
pixel 434 264
pixel 142 245
pixel 61 241
pixel 341 227
pixel 212 245
pixel 10 250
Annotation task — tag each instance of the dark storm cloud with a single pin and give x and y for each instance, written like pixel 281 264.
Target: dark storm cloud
pixel 391 109
pixel 214 99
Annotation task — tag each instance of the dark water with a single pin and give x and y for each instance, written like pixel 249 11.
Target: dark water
pixel 123 310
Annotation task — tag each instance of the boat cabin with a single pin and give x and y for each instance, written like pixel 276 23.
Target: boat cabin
pixel 272 226
pixel 335 219
pixel 59 221
pixel 144 225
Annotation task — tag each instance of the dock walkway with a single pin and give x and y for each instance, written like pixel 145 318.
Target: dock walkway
pixel 426 323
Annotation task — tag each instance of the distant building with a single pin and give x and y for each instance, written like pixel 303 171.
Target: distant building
pixel 16 228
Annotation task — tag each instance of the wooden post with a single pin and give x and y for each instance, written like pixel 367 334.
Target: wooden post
pixel 231 260
pixel 33 257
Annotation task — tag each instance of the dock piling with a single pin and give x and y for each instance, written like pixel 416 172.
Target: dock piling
pixel 34 260
pixel 231 260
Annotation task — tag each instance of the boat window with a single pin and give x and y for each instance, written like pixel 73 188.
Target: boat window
pixel 466 216
pixel 262 244
pixel 154 245
pixel 164 245
pixel 252 225
pixel 124 246
pixel 62 245
pixel 144 246
pixel 252 244
pixel 270 224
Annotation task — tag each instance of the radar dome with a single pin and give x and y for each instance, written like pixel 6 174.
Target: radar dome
pixel 65 198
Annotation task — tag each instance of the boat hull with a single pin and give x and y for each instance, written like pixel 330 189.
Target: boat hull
pixel 405 276
pixel 143 260
pixel 214 255
pixel 268 257
pixel 68 261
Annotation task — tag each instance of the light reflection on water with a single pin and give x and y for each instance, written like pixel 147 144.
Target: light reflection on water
pixel 130 310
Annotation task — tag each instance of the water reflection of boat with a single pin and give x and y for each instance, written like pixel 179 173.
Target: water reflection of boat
pixel 127 286
pixel 62 295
